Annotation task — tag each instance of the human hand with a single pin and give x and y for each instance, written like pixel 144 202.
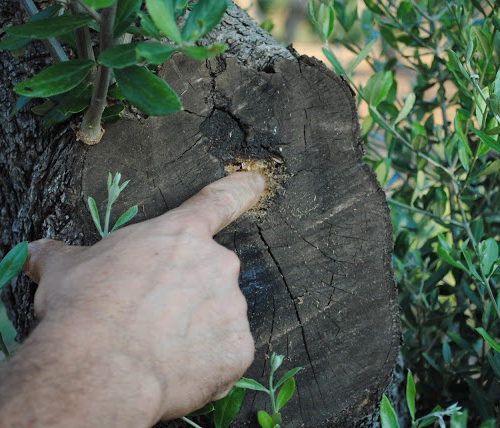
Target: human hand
pixel 151 319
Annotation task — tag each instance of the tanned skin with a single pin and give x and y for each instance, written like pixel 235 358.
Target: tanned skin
pixel 147 324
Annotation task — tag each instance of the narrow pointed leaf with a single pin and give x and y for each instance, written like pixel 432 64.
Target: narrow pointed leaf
pixel 125 217
pixel 147 92
pixel 50 27
pixel 408 105
pixel 410 394
pixel 495 345
pixel 488 255
pixel 206 14
pixel 95 214
pixel 163 15
pixel 13 262
pixel 388 416
pixel 286 392
pixel 251 384
pixel 362 55
pixel 289 374
pixel 55 79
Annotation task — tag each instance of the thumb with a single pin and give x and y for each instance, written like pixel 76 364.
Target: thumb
pixel 42 255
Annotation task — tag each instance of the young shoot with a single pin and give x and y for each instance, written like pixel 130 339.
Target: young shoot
pixel 114 190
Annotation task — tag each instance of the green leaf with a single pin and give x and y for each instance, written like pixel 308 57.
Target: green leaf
pixel 497 84
pixel 286 392
pixel 13 43
pixel 207 408
pixel 55 79
pixel 378 87
pixel 95 214
pixel 388 416
pixel 13 262
pixel 458 420
pixel 289 374
pixel 265 420
pixel 361 57
pixel 490 423
pixel 148 25
pixel 180 7
pixel 204 52
pixel 373 7
pixel 227 408
pixel 482 41
pixel 146 91
pixel 126 12
pixel 112 113
pixel 408 105
pixel 204 16
pixel 119 56
pixel 76 100
pixel 154 53
pixel 50 27
pixel 251 384
pixel 163 16
pixel 125 217
pixel 491 142
pixel 322 17
pixel 44 108
pixel 491 168
pixel 410 394
pixel 276 361
pixel 488 255
pixel 334 61
pixel 446 351
pixel 115 93
pixel 488 338
pixel 53 117
pixel 98 4
pixel 444 255
pixel 20 103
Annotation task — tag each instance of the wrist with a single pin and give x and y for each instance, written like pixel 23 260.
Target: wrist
pixel 68 378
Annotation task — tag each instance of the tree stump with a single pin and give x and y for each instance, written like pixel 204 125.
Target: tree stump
pixel 316 258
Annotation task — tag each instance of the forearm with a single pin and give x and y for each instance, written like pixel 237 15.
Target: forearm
pixel 56 380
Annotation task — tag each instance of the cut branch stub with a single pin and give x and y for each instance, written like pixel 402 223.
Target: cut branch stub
pixel 316 261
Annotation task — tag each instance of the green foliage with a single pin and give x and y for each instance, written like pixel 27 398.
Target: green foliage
pixel 129 61
pixel 285 387
pixel 114 190
pixel 10 266
pixel 55 79
pixel 435 150
pixel 389 418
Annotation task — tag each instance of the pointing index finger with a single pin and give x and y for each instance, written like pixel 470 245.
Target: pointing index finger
pixel 223 201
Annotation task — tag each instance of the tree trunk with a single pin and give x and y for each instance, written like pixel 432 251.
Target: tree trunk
pixel 316 257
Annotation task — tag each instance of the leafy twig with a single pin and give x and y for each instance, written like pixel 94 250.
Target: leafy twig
pixel 53 46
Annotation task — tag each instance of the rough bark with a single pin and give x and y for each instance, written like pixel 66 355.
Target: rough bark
pixel 316 262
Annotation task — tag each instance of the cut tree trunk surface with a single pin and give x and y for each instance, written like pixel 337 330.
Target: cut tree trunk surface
pixel 316 263
pixel 316 260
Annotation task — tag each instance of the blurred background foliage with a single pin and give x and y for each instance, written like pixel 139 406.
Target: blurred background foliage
pixel 426 74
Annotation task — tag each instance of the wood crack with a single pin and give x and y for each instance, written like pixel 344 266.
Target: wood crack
pixel 297 314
